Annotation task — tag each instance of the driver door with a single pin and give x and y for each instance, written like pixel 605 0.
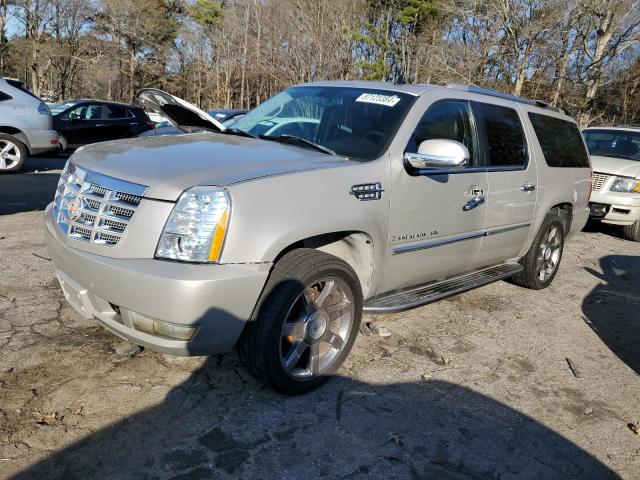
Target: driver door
pixel 431 236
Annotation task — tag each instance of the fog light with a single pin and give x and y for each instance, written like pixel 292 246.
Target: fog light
pixel 162 329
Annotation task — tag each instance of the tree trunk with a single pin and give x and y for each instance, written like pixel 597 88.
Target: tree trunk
pixel 243 67
pixel 131 94
pixel 605 32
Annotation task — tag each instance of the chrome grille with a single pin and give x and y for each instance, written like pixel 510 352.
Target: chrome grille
pixel 598 180
pixel 95 208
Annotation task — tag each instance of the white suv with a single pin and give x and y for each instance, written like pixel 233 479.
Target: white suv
pixel 615 156
pixel 25 126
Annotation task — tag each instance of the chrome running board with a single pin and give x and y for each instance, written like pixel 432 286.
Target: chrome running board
pixel 401 300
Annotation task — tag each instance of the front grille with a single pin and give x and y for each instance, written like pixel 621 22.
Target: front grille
pixel 94 208
pixel 598 180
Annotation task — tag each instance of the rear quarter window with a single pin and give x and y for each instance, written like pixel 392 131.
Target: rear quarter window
pixel 560 140
pixel 4 96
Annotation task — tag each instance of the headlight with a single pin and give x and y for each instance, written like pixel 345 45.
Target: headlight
pixel 197 226
pixel 628 185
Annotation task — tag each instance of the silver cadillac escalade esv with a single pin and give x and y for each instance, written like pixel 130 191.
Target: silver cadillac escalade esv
pixel 325 201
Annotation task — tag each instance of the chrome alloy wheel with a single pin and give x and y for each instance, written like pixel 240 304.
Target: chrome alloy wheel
pixel 9 154
pixel 548 253
pixel 316 328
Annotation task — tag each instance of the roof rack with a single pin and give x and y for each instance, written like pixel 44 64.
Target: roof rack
pixel 494 93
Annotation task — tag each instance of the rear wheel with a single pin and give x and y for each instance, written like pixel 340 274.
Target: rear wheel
pixel 632 232
pixel 13 153
pixel 306 322
pixel 541 262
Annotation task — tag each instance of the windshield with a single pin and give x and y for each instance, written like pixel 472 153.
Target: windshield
pixel 613 143
pixel 57 108
pixel 353 122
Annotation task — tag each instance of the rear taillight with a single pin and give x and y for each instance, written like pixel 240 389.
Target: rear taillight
pixel 150 124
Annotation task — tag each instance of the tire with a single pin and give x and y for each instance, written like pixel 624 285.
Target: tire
pixel 296 321
pixel 63 146
pixel 632 232
pixel 540 264
pixel 13 153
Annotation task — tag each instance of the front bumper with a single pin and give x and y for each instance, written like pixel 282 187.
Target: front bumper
pixel 216 299
pixel 41 141
pixel 615 208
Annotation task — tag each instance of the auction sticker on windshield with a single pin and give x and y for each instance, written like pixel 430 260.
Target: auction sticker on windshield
pixel 386 100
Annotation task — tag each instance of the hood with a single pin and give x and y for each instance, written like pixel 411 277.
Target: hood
pixel 170 164
pixel 179 112
pixel 616 166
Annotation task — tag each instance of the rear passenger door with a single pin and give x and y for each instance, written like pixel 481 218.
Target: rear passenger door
pixel 512 181
pixel 116 122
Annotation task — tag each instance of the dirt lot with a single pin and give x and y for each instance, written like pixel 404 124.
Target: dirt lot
pixel 475 387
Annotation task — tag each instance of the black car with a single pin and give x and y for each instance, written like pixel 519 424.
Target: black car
pixel 80 122
pixel 226 117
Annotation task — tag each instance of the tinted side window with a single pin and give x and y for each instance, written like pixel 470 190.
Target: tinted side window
pixel 86 112
pixel 449 120
pixel 4 96
pixel 116 112
pixel 502 135
pixel 560 140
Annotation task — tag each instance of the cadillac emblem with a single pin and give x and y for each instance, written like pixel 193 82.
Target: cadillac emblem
pixel 75 209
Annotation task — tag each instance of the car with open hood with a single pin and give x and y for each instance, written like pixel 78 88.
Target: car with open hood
pixel 615 156
pixel 326 201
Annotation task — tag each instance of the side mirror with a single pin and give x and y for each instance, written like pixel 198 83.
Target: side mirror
pixel 438 153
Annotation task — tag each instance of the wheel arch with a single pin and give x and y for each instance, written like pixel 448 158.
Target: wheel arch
pixel 17 133
pixel 560 207
pixel 355 248
pixel 563 210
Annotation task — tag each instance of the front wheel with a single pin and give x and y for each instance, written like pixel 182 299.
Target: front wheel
pixel 541 262
pixel 632 232
pixel 306 322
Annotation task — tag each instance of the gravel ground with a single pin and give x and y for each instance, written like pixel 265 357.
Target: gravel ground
pixel 497 383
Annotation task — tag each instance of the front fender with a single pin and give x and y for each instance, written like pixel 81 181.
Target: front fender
pixel 273 213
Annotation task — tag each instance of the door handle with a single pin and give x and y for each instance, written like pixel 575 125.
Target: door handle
pixel 474 202
pixel 528 187
pixel 101 125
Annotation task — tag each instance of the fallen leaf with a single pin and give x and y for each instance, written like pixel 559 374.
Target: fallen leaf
pixel 634 427
pixel 45 419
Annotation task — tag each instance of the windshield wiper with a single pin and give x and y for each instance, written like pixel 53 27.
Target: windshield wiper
pixel 302 142
pixel 240 133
